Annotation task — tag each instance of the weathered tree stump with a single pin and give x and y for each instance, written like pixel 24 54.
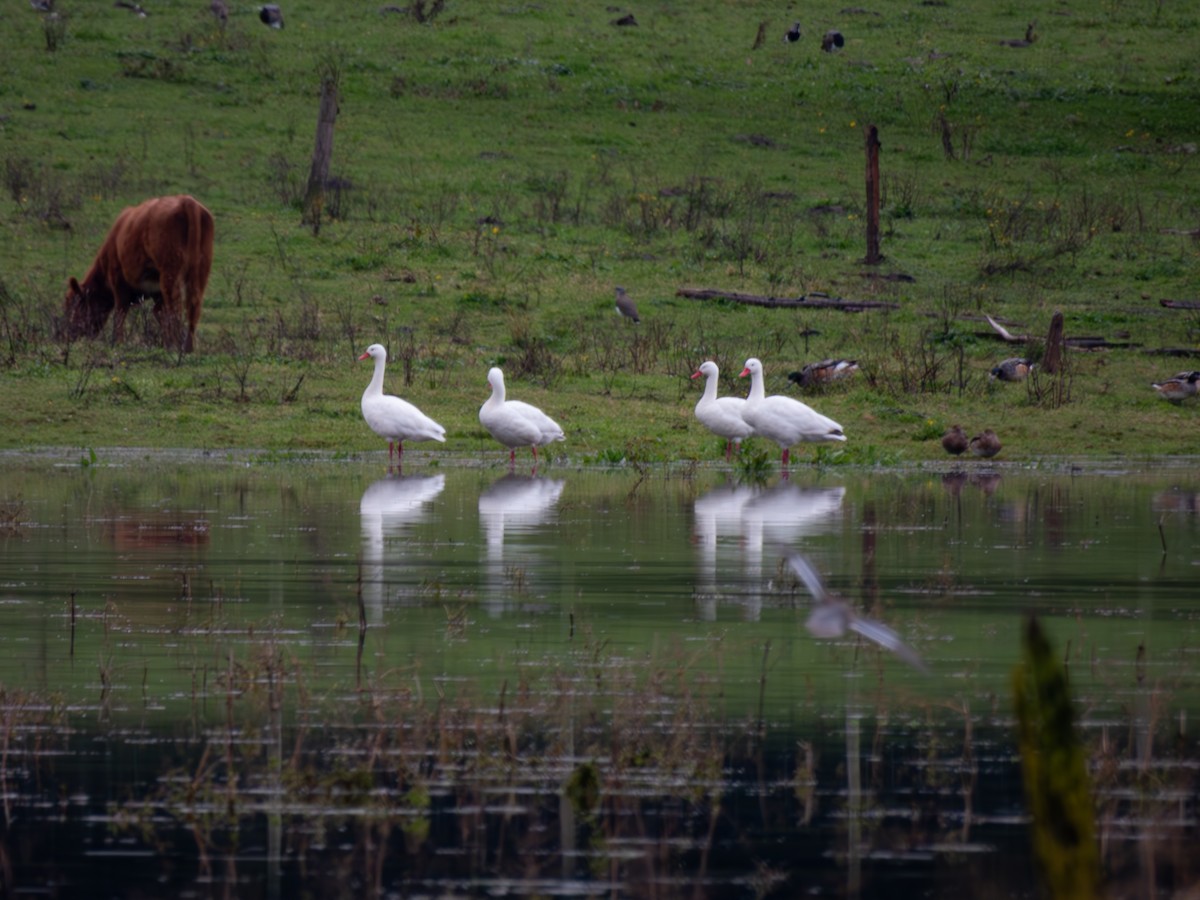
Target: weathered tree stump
pixel 1052 359
pixel 318 173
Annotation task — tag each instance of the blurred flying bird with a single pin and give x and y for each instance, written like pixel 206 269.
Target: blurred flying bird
pixel 832 41
pixel 832 617
pixel 132 7
pixel 271 15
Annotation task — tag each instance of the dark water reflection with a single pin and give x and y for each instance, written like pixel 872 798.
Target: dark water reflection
pixel 583 683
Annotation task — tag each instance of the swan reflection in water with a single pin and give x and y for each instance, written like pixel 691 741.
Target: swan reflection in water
pixel 513 505
pixel 735 522
pixel 389 507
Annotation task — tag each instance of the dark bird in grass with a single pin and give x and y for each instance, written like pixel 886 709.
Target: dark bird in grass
pixel 985 444
pixel 132 7
pixel 1179 388
pixel 1015 369
pixel 220 10
pixel 271 15
pixel 832 617
pixel 626 307
pixel 626 21
pixel 792 34
pixel 955 440
pixel 823 372
pixel 832 41
pixel 1027 41
pixel 42 5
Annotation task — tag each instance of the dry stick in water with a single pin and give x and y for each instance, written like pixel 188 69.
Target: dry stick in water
pixel 1162 537
pixel 362 610
pixel 762 689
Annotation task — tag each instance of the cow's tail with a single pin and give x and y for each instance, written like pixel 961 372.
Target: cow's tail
pixel 199 255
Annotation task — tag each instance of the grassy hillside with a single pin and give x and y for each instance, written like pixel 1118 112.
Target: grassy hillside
pixel 498 168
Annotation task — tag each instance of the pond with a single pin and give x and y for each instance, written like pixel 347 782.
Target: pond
pixel 240 675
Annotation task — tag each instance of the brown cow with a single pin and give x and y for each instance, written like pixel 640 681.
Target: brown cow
pixel 163 249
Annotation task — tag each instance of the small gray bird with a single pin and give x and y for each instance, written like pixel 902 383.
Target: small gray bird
pixel 1014 369
pixel 832 617
pixel 985 444
pixel 626 307
pixel 271 15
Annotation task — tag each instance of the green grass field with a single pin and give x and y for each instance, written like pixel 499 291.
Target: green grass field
pixel 498 168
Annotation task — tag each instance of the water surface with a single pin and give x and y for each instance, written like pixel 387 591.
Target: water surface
pixel 240 676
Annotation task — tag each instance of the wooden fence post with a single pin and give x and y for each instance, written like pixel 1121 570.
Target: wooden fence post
pixel 874 257
pixel 318 174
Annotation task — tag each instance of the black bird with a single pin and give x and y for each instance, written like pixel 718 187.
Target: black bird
pixel 626 307
pixel 271 15
pixel 792 34
pixel 1027 41
pixel 132 7
pixel 832 40
pixel 832 617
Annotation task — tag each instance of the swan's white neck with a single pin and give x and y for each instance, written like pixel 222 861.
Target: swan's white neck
pixel 375 388
pixel 497 398
pixel 756 385
pixel 710 388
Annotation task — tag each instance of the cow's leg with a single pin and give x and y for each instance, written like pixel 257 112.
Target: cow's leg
pixel 120 309
pixel 191 301
pixel 166 309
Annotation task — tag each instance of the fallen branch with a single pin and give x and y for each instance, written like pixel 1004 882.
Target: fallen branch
pixel 1005 334
pixel 1174 351
pixel 1001 333
pixel 807 301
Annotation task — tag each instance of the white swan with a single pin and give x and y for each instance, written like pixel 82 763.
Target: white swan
pixel 721 415
pixel 393 418
pixel 515 424
pixel 782 419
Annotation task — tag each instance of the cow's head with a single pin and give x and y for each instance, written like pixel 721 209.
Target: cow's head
pixel 85 310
